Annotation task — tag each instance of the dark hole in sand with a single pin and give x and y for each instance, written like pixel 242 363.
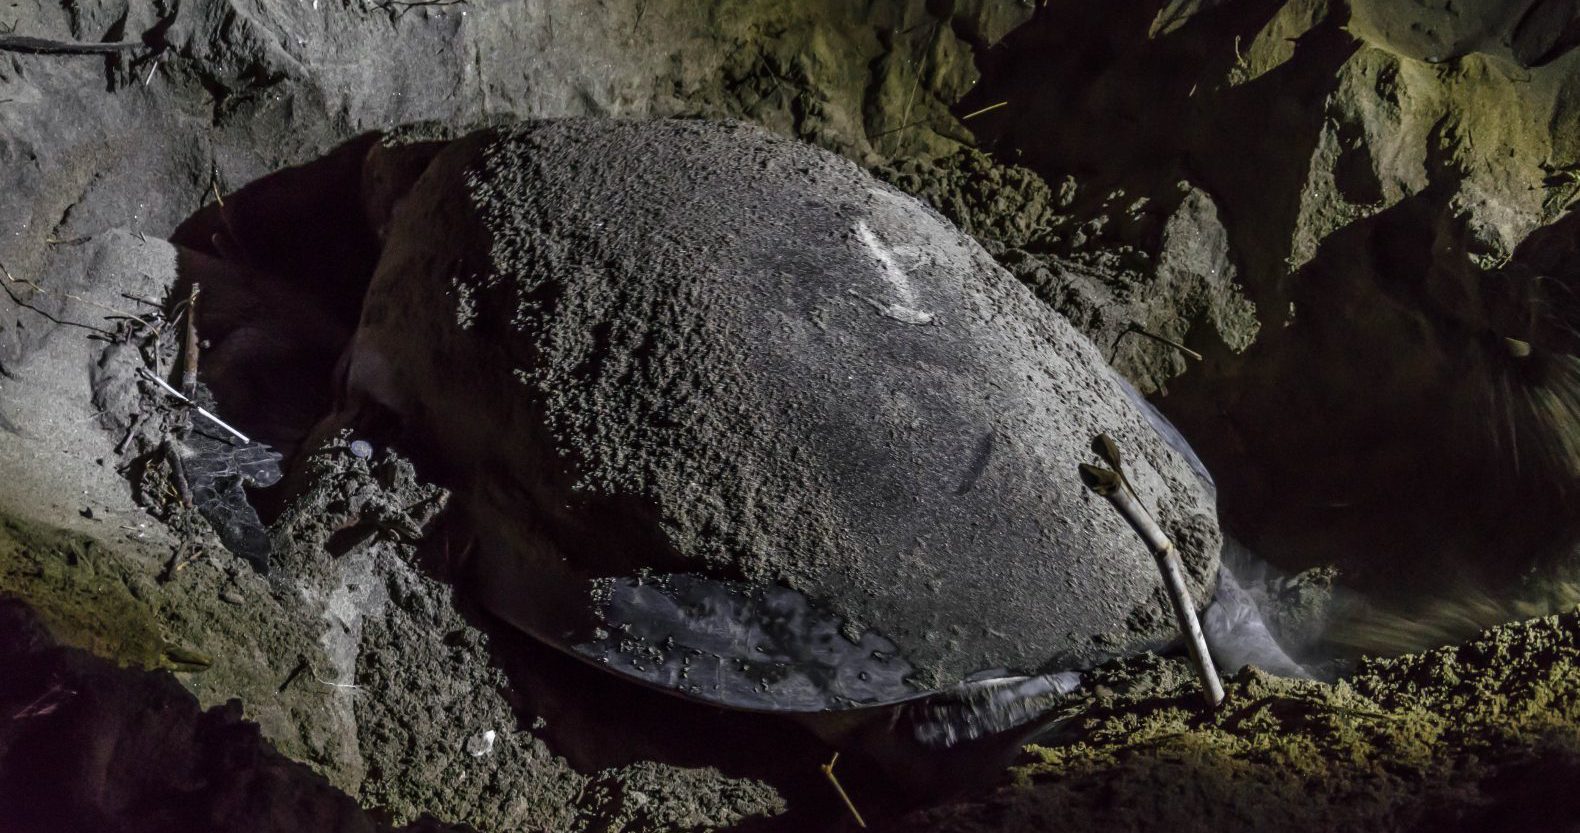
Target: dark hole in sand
pixel 283 264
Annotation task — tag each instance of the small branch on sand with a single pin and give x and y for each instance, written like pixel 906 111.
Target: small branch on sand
pixel 1134 328
pixel 130 297
pixel 1113 485
pixel 44 46
pixel 12 279
pixel 46 703
pixel 190 370
pixel 177 658
pixel 988 109
pixel 28 304
pixel 348 686
pixel 828 772
pixel 178 474
pixel 131 431
pixel 183 555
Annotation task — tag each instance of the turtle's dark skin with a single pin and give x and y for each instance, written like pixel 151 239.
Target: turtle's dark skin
pixel 733 419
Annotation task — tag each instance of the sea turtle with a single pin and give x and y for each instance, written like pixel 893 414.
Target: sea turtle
pixel 734 419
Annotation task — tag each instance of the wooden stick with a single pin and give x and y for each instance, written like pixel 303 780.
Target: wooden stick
pixel 1169 341
pixel 988 109
pixel 828 772
pixel 178 474
pixel 45 46
pixel 189 372
pixel 1111 485
pixel 131 431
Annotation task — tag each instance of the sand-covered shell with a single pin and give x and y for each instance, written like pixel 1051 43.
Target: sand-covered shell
pixel 734 418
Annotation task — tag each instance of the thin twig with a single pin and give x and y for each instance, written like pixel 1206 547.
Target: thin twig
pixel 178 559
pixel 195 406
pixel 322 681
pixel 921 67
pixel 1169 341
pixel 828 772
pixel 779 83
pixel 131 431
pixel 988 109
pixel 48 316
pixel 880 134
pixel 70 297
pixel 130 297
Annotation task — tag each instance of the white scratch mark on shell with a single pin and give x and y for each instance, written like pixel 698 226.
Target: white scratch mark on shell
pixel 904 309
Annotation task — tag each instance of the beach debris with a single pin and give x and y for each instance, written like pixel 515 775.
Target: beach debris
pixel 190 368
pixel 204 412
pixel 44 46
pixel 828 772
pixel 219 474
pixel 481 743
pixel 1136 328
pixel 210 472
pixel 1112 484
pixel 177 658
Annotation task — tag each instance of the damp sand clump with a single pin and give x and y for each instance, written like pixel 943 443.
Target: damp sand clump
pixel 1479 736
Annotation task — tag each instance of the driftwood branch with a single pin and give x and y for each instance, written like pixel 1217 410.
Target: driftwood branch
pixel 44 46
pixel 1112 485
pixel 190 371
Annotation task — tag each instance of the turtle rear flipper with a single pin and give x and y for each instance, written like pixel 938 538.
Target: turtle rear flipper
pixel 954 739
pixel 741 646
